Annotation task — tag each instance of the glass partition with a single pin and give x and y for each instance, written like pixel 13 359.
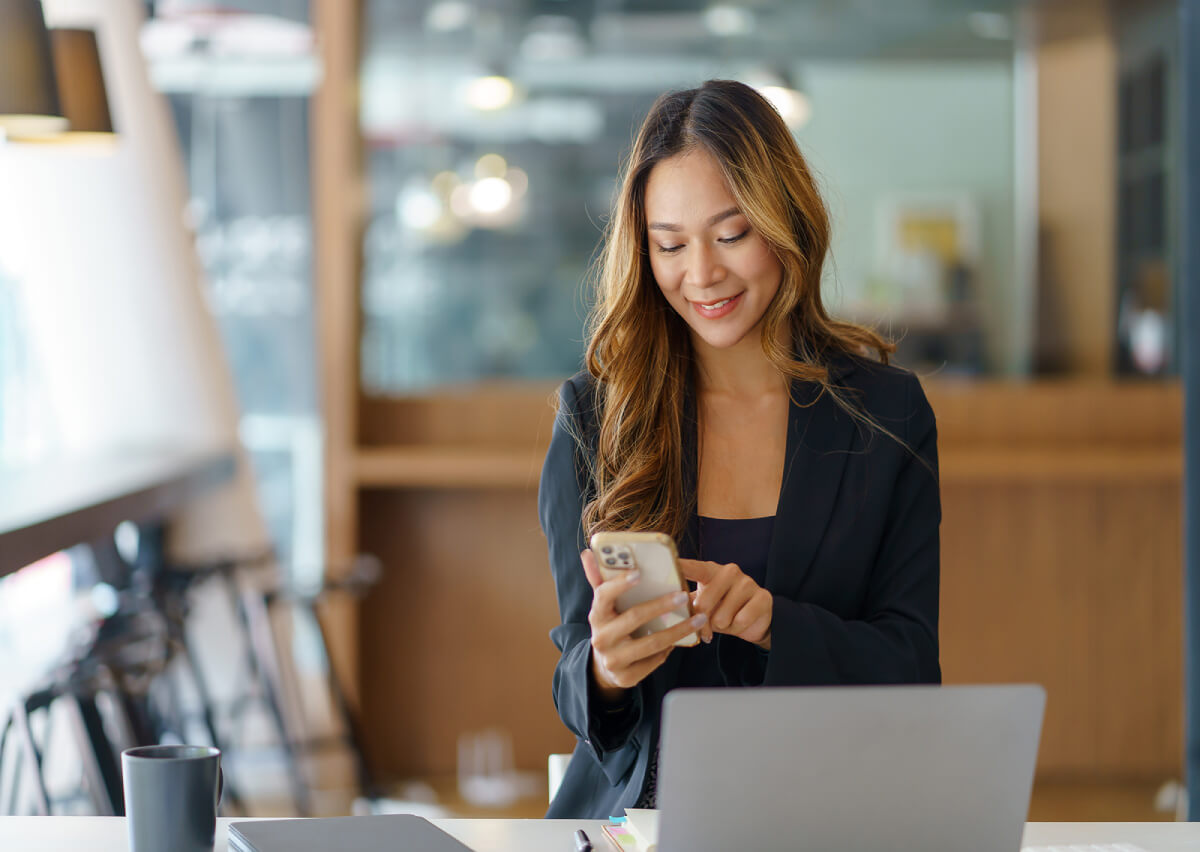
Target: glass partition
pixel 494 134
pixel 238 83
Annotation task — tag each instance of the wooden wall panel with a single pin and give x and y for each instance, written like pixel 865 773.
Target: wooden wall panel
pixel 494 415
pixel 1076 587
pixel 456 638
pixel 1073 414
pixel 1066 574
pixel 970 413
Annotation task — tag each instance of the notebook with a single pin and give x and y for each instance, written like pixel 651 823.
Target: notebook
pixel 393 832
pixel 643 825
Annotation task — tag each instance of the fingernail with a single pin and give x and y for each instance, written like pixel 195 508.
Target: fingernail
pixel 699 620
pixel 680 598
pixel 633 576
pixel 707 640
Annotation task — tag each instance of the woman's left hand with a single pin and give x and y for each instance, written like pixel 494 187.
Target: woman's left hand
pixel 733 602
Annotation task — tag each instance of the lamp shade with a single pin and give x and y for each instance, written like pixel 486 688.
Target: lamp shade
pixel 80 80
pixel 28 90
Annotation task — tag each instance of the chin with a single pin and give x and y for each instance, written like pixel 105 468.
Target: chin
pixel 723 339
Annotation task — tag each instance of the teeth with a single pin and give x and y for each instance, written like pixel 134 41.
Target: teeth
pixel 720 304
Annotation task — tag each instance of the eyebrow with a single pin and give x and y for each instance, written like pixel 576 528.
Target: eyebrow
pixel 712 220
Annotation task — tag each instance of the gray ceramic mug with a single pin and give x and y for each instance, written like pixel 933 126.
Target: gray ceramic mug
pixel 171 797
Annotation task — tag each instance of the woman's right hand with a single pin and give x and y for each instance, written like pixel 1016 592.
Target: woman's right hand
pixel 619 660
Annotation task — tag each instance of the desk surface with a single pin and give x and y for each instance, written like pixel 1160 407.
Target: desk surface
pixel 107 834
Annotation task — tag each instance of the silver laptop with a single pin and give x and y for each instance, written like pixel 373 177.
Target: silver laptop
pixel 848 769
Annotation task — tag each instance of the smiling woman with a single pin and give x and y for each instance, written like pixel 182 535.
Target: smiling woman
pixel 722 405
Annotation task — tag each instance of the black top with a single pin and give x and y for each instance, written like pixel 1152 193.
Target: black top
pixel 852 567
pixel 747 542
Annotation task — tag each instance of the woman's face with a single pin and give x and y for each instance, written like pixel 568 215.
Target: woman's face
pixel 714 269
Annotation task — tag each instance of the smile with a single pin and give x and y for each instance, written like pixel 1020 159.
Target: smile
pixel 719 308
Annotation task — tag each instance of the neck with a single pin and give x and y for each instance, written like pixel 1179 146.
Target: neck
pixel 742 370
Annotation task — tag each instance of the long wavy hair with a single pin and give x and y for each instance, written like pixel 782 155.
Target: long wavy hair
pixel 639 348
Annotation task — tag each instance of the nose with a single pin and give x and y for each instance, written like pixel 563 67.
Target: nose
pixel 703 267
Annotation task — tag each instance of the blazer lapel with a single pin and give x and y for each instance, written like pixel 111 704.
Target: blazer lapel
pixel 820 435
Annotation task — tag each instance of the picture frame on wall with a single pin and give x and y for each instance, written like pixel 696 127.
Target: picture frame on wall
pixel 922 241
pixel 923 288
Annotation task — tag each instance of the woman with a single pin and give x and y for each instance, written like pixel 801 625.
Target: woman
pixel 722 405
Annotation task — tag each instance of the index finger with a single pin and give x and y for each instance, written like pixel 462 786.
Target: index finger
pixel 591 569
pixel 700 572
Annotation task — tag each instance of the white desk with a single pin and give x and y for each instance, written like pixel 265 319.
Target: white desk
pixel 107 834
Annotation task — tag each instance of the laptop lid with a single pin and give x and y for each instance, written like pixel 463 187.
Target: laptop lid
pixel 921 768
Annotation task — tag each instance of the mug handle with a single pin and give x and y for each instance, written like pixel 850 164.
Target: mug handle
pixel 220 788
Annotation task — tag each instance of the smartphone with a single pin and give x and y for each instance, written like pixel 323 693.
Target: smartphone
pixel 618 553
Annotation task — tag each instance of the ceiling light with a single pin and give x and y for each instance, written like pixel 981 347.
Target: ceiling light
pixel 81 86
pixel 447 16
pixel 518 180
pixel 729 20
pixel 490 165
pixel 28 91
pixel 793 106
pixel 445 183
pixel 490 93
pixel 418 207
pixel 490 195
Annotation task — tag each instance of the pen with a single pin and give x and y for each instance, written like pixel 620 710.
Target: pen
pixel 582 844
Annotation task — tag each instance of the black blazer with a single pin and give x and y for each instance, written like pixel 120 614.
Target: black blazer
pixel 853 568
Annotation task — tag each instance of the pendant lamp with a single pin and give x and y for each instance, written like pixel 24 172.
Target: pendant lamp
pixel 28 89
pixel 81 89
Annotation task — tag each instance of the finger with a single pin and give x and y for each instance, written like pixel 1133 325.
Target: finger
pixel 710 594
pixel 604 598
pixel 760 604
pixel 740 594
pixel 638 616
pixel 697 571
pixel 604 611
pixel 590 569
pixel 758 631
pixel 646 647
pixel 706 634
pixel 631 676
pixel 610 627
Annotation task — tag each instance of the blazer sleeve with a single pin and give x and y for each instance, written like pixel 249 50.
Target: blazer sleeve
pixel 605 729
pixel 896 640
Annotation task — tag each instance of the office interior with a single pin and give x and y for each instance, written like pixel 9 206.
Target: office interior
pixel 279 343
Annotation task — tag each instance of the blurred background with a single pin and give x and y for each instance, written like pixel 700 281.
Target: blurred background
pixel 279 336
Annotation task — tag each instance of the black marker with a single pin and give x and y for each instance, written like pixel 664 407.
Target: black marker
pixel 582 844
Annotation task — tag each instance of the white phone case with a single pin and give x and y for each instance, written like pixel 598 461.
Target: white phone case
pixel 654 555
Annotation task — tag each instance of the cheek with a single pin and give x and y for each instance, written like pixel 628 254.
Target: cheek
pixel 768 270
pixel 667 282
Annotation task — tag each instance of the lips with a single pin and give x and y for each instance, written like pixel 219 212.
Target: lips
pixel 717 307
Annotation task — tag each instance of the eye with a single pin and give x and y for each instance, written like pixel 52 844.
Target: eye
pixel 734 239
pixel 668 249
